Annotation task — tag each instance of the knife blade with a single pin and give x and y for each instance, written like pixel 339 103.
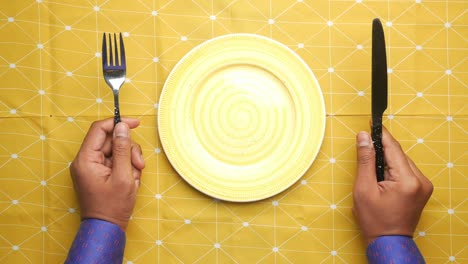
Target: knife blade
pixel 379 93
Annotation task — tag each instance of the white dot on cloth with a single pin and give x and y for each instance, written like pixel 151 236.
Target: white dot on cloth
pixel 271 21
pixel 69 73
pixel 126 34
pixel 333 206
pixel 334 253
pixel 43 183
pixel 450 165
pixel 128 80
pixel 97 54
pixel 42 137
pixel 422 233
pixel 449 118
pixel 43 229
pixel 300 45
pixel 155 59
pixel 12 65
pixel 157 150
pixel 40 46
pixel 275 249
pixel 183 38
pixel 448 72
pixel 419 94
pixel 187 221
pixel 70 119
pixel 213 17
pixel 13 111
pixel 11 19
pixel 331 69
pixel 245 224
pixel 448 25
pixel 14 156
pixel 15 248
pixel 420 140
pixel 360 93
pixel 275 203
pixel 450 211
pixel 390 117
pixel 389 23
pixel 359 47
pixel 71 210
pixel 418 47
pixel 96 8
pixel 303 182
pixel 332 160
pixel 330 23
pixel 98 100
pixel 154 13
pixel 158 196
pixel 68 28
pixel 15 202
pixel 452 258
pixel 156 105
pixel 158 242
pixel 389 70
pixel 304 228
pixel 217 245
pixel 41 92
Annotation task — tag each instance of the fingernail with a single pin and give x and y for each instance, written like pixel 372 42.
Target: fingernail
pixel 121 130
pixel 363 139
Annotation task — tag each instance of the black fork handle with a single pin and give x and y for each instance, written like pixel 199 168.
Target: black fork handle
pixel 379 154
pixel 116 108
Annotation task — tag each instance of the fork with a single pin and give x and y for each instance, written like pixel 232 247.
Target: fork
pixel 114 68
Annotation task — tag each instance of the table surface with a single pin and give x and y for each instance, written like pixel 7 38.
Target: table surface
pixel 51 89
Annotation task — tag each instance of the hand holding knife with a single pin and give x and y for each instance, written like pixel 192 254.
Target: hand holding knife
pixel 379 93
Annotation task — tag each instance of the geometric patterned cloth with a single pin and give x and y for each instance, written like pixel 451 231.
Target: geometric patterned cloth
pixel 52 89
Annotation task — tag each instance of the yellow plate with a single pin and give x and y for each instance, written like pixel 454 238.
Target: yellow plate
pixel 241 117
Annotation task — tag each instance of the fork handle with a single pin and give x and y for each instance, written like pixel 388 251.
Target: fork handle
pixel 116 108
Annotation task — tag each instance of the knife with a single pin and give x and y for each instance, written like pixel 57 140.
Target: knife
pixel 379 93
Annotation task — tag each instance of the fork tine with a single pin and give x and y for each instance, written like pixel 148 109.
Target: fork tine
pixel 116 51
pixel 122 51
pixel 104 50
pixel 111 50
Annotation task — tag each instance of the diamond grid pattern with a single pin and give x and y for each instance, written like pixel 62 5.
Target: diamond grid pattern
pixel 52 89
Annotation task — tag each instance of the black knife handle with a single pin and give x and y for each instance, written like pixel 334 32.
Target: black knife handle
pixel 379 154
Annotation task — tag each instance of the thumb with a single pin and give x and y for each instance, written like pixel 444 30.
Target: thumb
pixel 366 175
pixel 121 151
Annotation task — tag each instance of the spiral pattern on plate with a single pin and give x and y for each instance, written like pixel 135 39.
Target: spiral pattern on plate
pixel 243 111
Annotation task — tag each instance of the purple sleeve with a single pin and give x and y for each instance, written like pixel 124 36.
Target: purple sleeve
pixel 97 241
pixel 394 249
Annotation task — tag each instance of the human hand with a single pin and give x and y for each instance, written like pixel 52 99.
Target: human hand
pixel 392 206
pixel 106 172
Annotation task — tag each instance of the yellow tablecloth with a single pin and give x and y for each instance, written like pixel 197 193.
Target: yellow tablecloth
pixel 51 89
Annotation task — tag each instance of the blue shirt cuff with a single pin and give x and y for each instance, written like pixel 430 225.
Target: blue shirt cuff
pixel 97 241
pixel 394 249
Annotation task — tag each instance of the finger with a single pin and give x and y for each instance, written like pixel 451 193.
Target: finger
pixel 97 133
pixel 121 153
pixel 107 146
pixel 427 183
pixel 395 158
pixel 137 157
pixel 366 175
